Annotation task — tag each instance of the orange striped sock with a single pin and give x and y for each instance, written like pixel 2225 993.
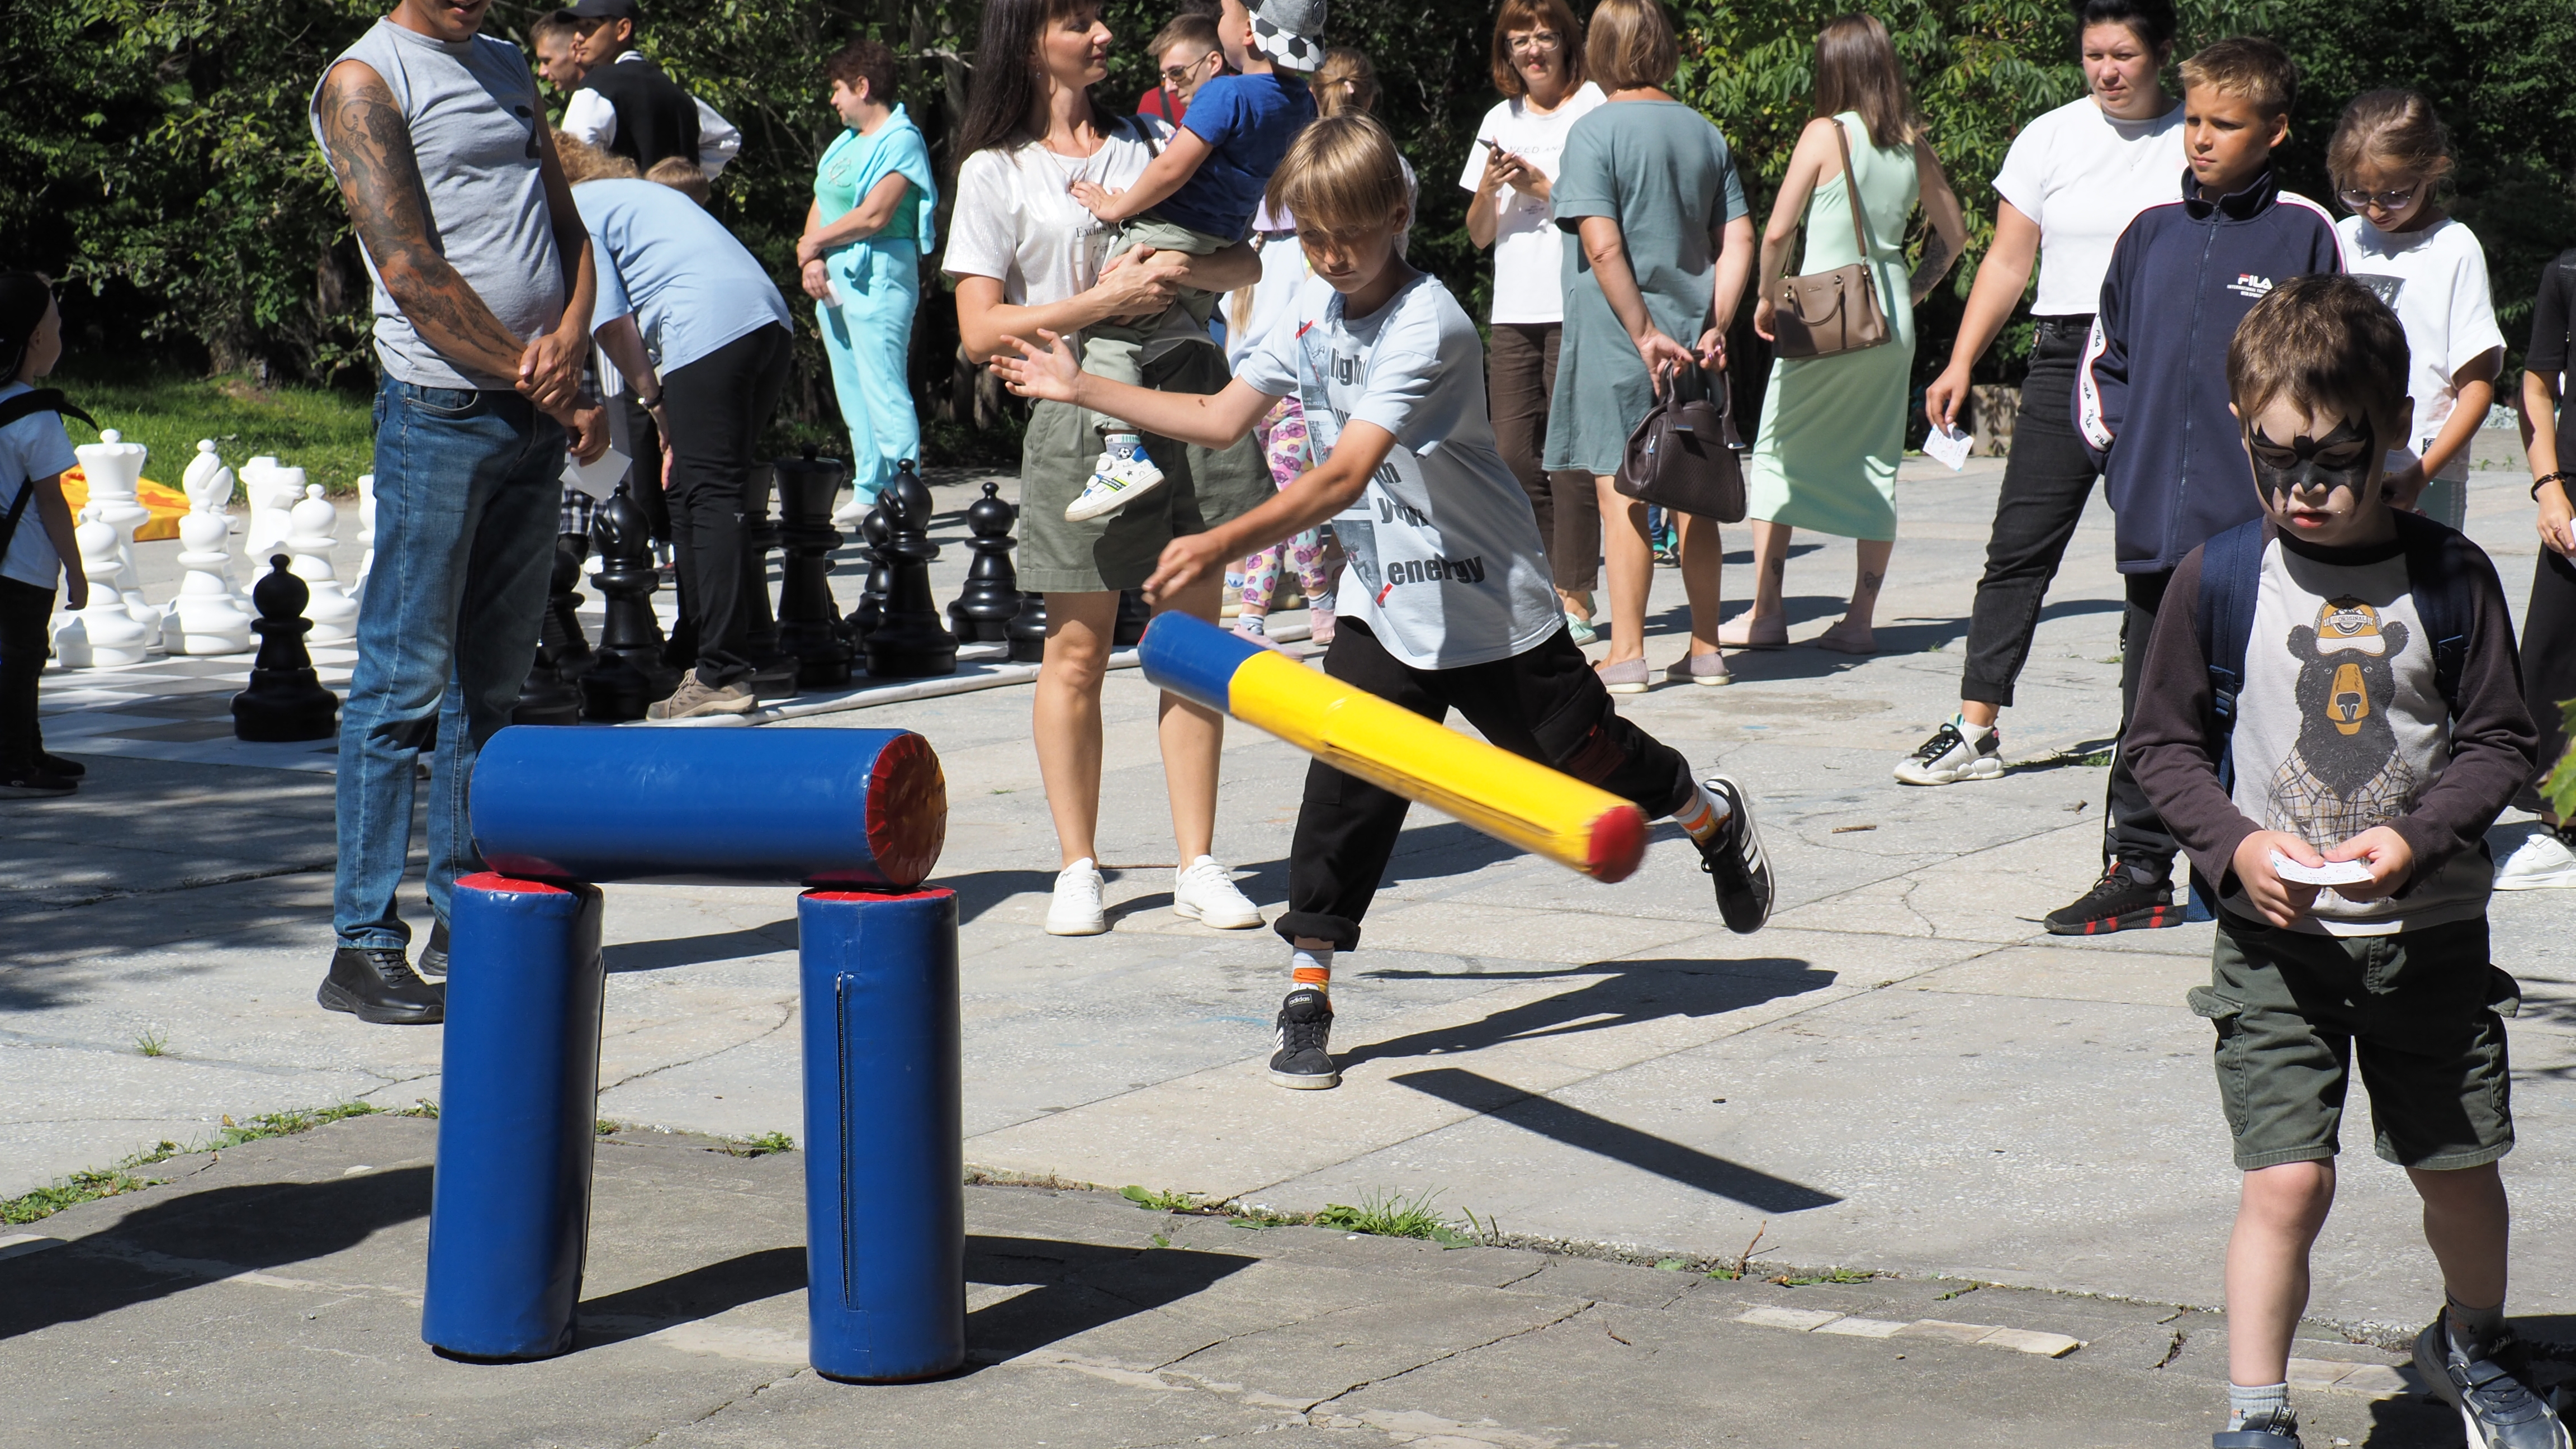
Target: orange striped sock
pixel 1703 814
pixel 1312 968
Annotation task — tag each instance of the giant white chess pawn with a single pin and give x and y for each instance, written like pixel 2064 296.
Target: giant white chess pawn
pixel 316 526
pixel 206 617
pixel 113 636
pixel 366 529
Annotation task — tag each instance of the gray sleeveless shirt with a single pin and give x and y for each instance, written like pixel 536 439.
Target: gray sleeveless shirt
pixel 473 113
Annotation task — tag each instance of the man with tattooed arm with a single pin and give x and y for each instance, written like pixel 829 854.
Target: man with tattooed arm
pixel 483 288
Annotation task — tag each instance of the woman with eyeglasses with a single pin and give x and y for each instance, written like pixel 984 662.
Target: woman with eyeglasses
pixel 2072 182
pixel 1511 168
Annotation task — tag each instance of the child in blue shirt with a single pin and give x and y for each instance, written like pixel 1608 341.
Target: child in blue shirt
pixel 35 529
pixel 1197 196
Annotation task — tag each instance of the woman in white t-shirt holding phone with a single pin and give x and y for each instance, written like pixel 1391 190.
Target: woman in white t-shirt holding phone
pixel 1028 260
pixel 2073 181
pixel 1538 66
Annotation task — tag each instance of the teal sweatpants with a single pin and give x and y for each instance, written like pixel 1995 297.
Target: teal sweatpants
pixel 869 339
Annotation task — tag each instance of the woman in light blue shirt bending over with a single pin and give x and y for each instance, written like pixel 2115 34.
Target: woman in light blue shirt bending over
pixel 872 221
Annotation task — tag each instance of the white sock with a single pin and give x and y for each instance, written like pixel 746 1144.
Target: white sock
pixel 1971 732
pixel 1252 624
pixel 1311 968
pixel 1706 811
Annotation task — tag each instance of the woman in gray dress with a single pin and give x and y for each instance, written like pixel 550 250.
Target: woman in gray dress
pixel 1648 186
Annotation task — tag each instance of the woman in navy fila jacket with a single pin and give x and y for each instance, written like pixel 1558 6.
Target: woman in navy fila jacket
pixel 2151 397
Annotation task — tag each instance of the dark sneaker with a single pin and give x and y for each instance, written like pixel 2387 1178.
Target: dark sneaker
pixel 377 985
pixel 2497 1408
pixel 2119 901
pixel 1734 861
pixel 433 957
pixel 1305 1056
pixel 68 769
pixel 1948 757
pixel 2272 1429
pixel 35 782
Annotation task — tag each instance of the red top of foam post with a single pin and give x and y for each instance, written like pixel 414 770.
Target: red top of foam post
pixel 907 810
pixel 493 880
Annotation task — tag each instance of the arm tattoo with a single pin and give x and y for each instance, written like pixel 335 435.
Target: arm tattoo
pixel 371 151
pixel 1934 266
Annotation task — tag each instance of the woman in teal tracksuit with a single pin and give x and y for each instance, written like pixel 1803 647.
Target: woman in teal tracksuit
pixel 865 235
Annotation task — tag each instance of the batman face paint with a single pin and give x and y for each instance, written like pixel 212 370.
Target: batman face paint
pixel 2316 488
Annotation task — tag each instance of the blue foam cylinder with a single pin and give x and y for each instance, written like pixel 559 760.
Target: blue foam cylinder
pixel 767 806
pixel 510 1200
pixel 885 1201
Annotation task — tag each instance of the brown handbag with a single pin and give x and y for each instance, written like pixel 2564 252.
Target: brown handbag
pixel 1825 314
pixel 1683 455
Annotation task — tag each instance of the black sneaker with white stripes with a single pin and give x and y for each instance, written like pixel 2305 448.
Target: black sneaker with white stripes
pixel 1304 1059
pixel 1735 861
pixel 1950 756
pixel 2491 1389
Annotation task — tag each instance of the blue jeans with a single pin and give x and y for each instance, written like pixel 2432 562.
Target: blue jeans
pixel 468 486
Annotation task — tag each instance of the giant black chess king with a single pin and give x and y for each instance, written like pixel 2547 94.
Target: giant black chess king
pixel 856 818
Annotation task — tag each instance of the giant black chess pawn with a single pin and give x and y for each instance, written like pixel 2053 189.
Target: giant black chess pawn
pixel 628 675
pixel 870 609
pixel 773 669
pixel 1028 629
pixel 807 627
pixel 984 609
pixel 285 700
pixel 552 694
pixel 1133 615
pixel 908 642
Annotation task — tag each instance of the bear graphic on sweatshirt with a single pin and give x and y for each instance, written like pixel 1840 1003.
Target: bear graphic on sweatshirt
pixel 2344 776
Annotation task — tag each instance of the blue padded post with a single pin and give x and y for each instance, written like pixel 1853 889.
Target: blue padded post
pixel 782 807
pixel 510 1200
pixel 885 1199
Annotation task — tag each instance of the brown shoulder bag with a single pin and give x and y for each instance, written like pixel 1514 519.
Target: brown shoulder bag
pixel 1827 313
pixel 1684 454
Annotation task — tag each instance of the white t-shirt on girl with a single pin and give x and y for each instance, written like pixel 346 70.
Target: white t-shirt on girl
pixel 2436 281
pixel 1528 249
pixel 2084 177
pixel 1445 561
pixel 32 447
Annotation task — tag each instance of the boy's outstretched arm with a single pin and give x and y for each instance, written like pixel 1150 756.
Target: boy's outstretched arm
pixel 1162 176
pixel 1211 420
pixel 1318 494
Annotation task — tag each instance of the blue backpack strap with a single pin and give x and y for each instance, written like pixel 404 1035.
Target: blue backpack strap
pixel 2441 572
pixel 2231 579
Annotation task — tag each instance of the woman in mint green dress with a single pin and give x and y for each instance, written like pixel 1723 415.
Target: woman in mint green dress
pixel 1834 427
pixel 860 258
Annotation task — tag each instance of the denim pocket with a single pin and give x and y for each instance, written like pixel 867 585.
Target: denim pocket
pixel 441 402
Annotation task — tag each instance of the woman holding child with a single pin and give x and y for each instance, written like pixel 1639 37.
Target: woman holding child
pixel 1027 259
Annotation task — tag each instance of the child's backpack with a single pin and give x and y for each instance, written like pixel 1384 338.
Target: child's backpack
pixel 27 405
pixel 2441 564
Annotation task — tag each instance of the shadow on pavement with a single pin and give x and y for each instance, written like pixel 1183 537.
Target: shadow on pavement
pixel 1080 1287
pixel 1637 991
pixel 701 1292
pixel 673 951
pixel 1617 1141
pixel 171 1246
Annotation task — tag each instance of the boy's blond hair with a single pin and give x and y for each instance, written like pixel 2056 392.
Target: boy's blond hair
pixel 2325 343
pixel 2248 67
pixel 683 176
pixel 1341 174
pixel 583 161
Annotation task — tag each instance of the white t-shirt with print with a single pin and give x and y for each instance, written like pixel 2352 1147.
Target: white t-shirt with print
pixel 2436 282
pixel 31 448
pixel 2083 178
pixel 1446 566
pixel 1529 284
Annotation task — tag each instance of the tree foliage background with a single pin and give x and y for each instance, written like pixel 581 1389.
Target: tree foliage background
pixel 154 154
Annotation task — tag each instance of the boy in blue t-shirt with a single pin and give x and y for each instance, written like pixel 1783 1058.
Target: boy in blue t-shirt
pixel 1198 196
pixel 35 530
pixel 1451 603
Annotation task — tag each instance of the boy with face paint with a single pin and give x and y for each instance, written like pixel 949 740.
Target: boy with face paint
pixel 2345 750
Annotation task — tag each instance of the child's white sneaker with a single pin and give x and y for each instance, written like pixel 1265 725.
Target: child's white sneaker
pixel 1075 911
pixel 1122 474
pixel 1202 893
pixel 2542 862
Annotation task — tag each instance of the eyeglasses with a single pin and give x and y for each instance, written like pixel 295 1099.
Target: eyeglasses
pixel 1179 73
pixel 2385 200
pixel 1535 40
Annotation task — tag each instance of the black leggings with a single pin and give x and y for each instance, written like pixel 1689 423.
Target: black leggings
pixel 718 406
pixel 23 611
pixel 2047 481
pixel 1543 704
pixel 2549 657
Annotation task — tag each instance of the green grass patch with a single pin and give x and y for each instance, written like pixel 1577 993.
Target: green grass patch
pixel 327 432
pixel 761 1146
pixel 152 1044
pixel 97 1183
pixel 1393 1215
pixel 1159 1202
pixel 1831 1275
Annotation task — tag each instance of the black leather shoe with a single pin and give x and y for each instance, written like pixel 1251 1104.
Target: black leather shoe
pixel 378 986
pixel 68 769
pixel 433 957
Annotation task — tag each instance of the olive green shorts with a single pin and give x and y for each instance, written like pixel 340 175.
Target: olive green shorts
pixel 2424 1010
pixel 1115 348
pixel 1201 488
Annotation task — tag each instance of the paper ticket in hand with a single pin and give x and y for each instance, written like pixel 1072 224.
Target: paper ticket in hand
pixel 1947 448
pixel 2332 873
pixel 598 478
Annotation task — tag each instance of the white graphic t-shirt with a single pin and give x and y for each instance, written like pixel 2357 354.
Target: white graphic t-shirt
pixel 2435 280
pixel 1446 567
pixel 2083 177
pixel 1529 250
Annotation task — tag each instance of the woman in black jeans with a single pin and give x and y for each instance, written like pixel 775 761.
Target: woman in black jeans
pixel 2072 182
pixel 2546 858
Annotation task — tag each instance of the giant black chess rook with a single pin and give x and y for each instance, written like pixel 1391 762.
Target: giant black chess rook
pixel 285 700
pixel 807 627
pixel 628 676
pixel 908 642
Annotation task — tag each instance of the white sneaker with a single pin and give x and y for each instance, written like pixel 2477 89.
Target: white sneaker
pixel 1075 911
pixel 1121 475
pixel 1201 893
pixel 2541 862
pixel 1950 756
